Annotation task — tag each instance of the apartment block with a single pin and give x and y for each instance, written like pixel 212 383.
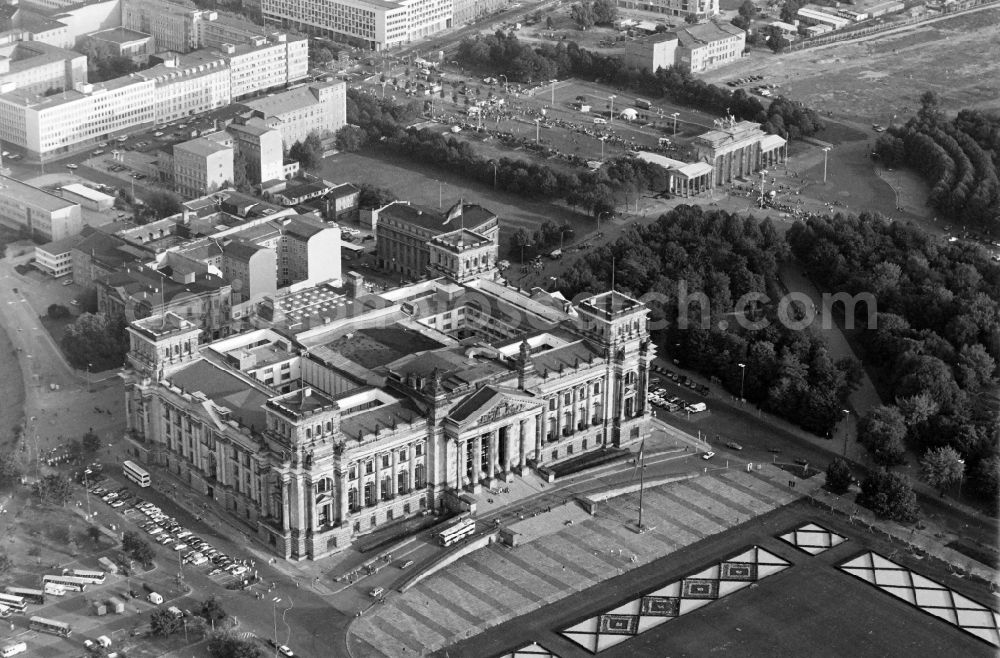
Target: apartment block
pixel 695 48
pixel 46 126
pixel 37 213
pixel 701 9
pixel 188 84
pixel 202 166
pixel 319 107
pixel 377 24
pixel 261 148
pixel 468 11
pixel 172 24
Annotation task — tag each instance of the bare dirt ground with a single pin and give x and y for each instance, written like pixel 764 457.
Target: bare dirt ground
pixel 875 78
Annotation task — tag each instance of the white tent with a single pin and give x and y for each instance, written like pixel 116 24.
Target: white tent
pixel 629 114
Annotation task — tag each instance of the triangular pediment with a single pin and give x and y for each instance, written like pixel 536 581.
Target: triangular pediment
pixel 491 403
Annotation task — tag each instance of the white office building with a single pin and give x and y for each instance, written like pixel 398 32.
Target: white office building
pixel 378 24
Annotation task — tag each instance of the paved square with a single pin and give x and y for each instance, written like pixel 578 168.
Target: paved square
pixel 813 538
pixel 637 616
pixel 926 594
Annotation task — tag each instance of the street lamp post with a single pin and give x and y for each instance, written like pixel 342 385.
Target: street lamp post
pixel 847 415
pixel 274 613
pixel 552 103
pixel 494 175
pixel 826 150
pixel 763 172
pixel 536 130
pixel 675 115
pixel 743 375
pixel 612 97
pixel 86 492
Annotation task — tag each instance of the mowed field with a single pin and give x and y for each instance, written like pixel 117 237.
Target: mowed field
pixel 873 79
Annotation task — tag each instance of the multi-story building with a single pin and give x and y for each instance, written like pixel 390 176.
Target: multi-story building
pixel 701 9
pixel 468 11
pixel 173 24
pixel 65 26
pixel 265 63
pixel 261 148
pixel 403 233
pixel 98 254
pixel 37 213
pixel 188 84
pixel 37 68
pixel 738 148
pixel 695 48
pixel 123 42
pixel 707 46
pixel 190 292
pixel 46 126
pixel 56 258
pixel 319 107
pixel 377 24
pixel 252 269
pixel 202 166
pixel 346 411
pixel 216 29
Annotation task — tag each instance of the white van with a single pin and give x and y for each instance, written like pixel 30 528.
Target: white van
pixel 14 649
pixel 175 611
pixel 601 121
pixel 154 598
pixel 696 407
pixel 104 641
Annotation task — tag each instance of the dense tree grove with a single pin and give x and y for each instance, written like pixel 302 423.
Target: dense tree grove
pixel 503 54
pixel 890 496
pixel 958 158
pixel 936 335
pixel 596 192
pixel 733 261
pixel 95 342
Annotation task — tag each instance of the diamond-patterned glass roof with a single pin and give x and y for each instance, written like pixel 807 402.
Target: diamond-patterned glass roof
pixel 678 598
pixel 930 596
pixel 813 538
pixel 533 650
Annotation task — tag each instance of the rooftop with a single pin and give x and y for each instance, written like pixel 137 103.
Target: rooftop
pixel 38 101
pixel 705 33
pixel 379 419
pixel 610 304
pixel 120 35
pixel 472 217
pixel 376 347
pixel 291 100
pixel 458 367
pixel 87 192
pixel 201 146
pixel 32 196
pixel 461 239
pixel 243 398
pixel 158 326
pixel 303 402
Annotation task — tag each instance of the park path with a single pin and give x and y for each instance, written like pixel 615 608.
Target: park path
pixel 862 399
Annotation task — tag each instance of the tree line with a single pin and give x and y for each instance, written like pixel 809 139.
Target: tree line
pixel 504 54
pixel 724 256
pixel 595 192
pixel 958 158
pixel 935 343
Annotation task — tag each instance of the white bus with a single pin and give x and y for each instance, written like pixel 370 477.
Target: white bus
pixel 68 583
pixel 35 596
pixel 91 577
pixel 14 602
pixel 457 532
pixel 135 473
pixel 50 626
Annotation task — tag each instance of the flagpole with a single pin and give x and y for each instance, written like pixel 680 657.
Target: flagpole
pixel 642 477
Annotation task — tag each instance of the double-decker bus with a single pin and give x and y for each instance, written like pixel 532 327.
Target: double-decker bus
pixel 136 473
pixel 44 625
pixel 92 577
pixel 35 596
pixel 14 602
pixel 457 532
pixel 69 583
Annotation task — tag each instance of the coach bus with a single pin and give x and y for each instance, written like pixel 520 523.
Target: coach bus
pixel 35 596
pixel 69 583
pixel 92 577
pixel 457 532
pixel 14 602
pixel 44 625
pixel 135 473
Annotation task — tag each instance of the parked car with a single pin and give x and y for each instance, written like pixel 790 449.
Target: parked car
pixel 708 455
pixel 734 445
